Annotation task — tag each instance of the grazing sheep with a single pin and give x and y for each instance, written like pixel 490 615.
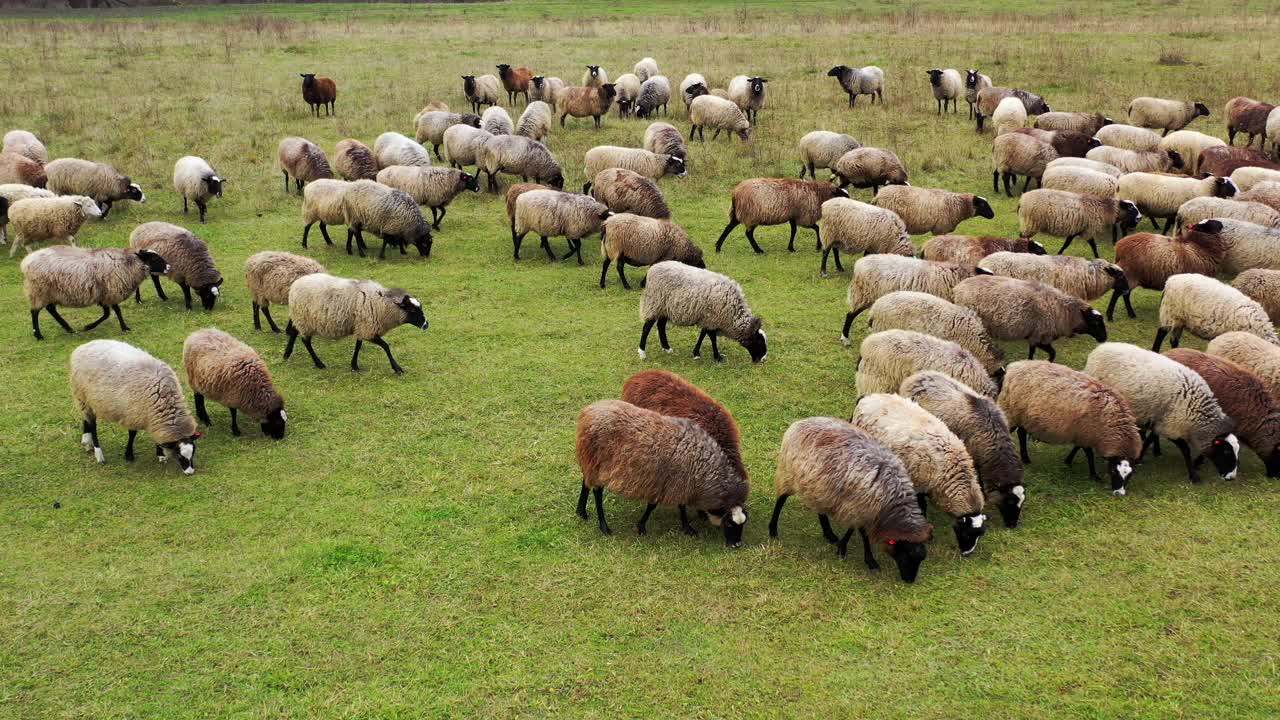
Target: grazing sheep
pixel 639 240
pixel 1010 115
pixel 304 160
pixel 391 214
pixel 18 169
pixel 654 93
pixel 1249 245
pixel 79 277
pixel 841 472
pixel 868 167
pixel 1062 406
pixel 1208 308
pixel 1149 260
pixel 1160 196
pixel 434 187
pixel 580 102
pixel 479 91
pixel 333 307
pixel 1244 398
pixel 462 143
pixel 878 275
pixel 1205 208
pixel 392 148
pixel 354 160
pixel 1246 178
pixel 1263 193
pixel 595 77
pixel 547 89
pixel 1079 180
pixel 867 80
pixel 974 82
pixel 1069 215
pixel 1014 154
pixel 664 139
pixel 948 85
pixel 551 213
pixel 693 85
pixel 627 87
pixel 430 127
pixel 649 164
pixel 1252 352
pixel 646 68
pixel 666 392
pixel 11 193
pixel 319 92
pixel 718 113
pixel 72 176
pixel 118 382
pixel 1189 144
pixel 195 180
pixel 1131 161
pixel 190 263
pixel 496 121
pixel 970 249
pixel 660 459
pixel 232 374
pixel 1129 137
pixel 1066 143
pixel 855 227
pixel 748 94
pixel 1263 286
pixel 1104 168
pixel 1085 279
pixel 535 121
pixel 1245 115
pixel 322 203
pixel 521 156
pixel 932 210
pixel 1039 314
pixel 1171 401
pixel 931 315
pixel 990 98
pixel 821 149
pixel 685 295
pixel 626 191
pixel 513 193
pixel 515 80
pixel 269 275
pixel 888 357
pixel 1081 122
pixel 26 144
pixel 1224 160
pixel 773 201
pixel 56 219
pixel 1166 115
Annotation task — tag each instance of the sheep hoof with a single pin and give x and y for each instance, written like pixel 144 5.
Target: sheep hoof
pixel 696 356
pixel 643 355
pixel 100 456
pixel 667 350
pixel 844 339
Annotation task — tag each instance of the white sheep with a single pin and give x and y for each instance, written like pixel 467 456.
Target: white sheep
pixel 684 295
pixel 78 277
pixel 748 94
pixel 1079 180
pixel 1069 215
pixel 718 113
pixel 646 68
pixel 72 176
pixel 535 121
pixel 552 213
pixel 195 180
pixel 1010 115
pixel 389 213
pixel 392 148
pixel 931 315
pixel 948 86
pixel 888 357
pixel 269 275
pixel 878 275
pixel 12 193
pixel 1160 196
pixel 434 187
pixel 1129 137
pixel 637 160
pixel 333 307
pixel 496 121
pixel 322 203
pixel 56 219
pixel 1208 308
pixel 1248 176
pixel 1096 166
pixel 463 143
pixel 1131 161
pixel 1211 208
pixel 481 90
pixel 1166 115
pixel 1189 144
pixel 855 226
pixel 821 148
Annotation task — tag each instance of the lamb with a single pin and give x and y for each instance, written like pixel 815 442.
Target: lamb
pixel 661 459
pixel 685 295
pixel 1208 308
pixel 1252 352
pixel 627 87
pixel 635 239
pixel 1263 286
pixel 118 382
pixel 646 68
pixel 430 127
pixel 855 226
pixel 1081 122
pixel 932 210
pixel 1014 154
pixel 980 424
pixel 595 77
pixel 869 167
pixel 936 460
pixel 1130 161
pixel 1010 115
pixel 354 160
pixel 1068 215
pixel 496 121
pixel 748 94
pixel 78 277
pixel 931 315
pixel 1205 208
pixel 195 180
pixel 947 85
pixel 1249 176
pixel 462 143
pixel 190 263
pixel 304 160
pixel 654 93
pixel 1085 279
pixel 773 201
pixel 1104 168
pixel 333 307
pixel 1244 398
pixel 72 176
pixel 322 203
pixel 269 275
pixel 479 91
pixel 580 102
pixel 666 392
pixel 840 471
pixel 1166 115
pixel 1224 160
pixel 546 89
pixel 878 275
pixel 1172 401
pixel 1013 309
pixel 970 249
pixel 1149 260
pixel 552 213
pixel 649 164
pixel 1263 193
pixel 535 121
pixel 434 187
pixel 26 144
pixel 521 156
pixel 1248 116
pixel 18 169
pixel 1062 406
pixel 974 82
pixel 693 85
pixel 867 80
pixel 56 219
pixel 1129 137
pixel 515 80
pixel 821 149
pixel 391 214
pixel 1080 180
pixel 11 193
pixel 1189 144
pixel 392 148
pixel 718 113
pixel 888 357
pixel 319 92
pixel 234 375
pixel 664 139
pixel 1160 196
pixel 625 191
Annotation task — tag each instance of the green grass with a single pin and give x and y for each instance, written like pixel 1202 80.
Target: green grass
pixel 410 549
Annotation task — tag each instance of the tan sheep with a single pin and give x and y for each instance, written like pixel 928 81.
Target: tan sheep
pixel 970 249
pixel 638 240
pixel 232 374
pixel 322 203
pixel 269 275
pixel 303 160
pixel 72 176
pixel 709 111
pixel 931 315
pixel 888 357
pixel 332 307
pixel 1129 137
pixel 551 213
pixel 56 219
pixel 932 210
pixel 434 187
pixel 580 102
pixel 856 227
pixel 1080 180
pixel 1069 215
pixel 773 201
pixel 1208 308
pixel 625 191
pixel 1013 309
pixel 869 167
pixel 1263 286
pixel 190 263
pixel 1166 115
pixel 821 148
pixel 77 277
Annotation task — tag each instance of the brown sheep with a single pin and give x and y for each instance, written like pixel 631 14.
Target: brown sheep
pixel 773 201
pixel 21 170
pixel 667 393
pixel 516 81
pixel 319 92
pixel 1248 116
pixel 1244 397
pixel 590 102
pixel 1148 260
pixel 1222 160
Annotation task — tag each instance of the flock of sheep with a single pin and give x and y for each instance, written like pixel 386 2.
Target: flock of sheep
pixel 938 408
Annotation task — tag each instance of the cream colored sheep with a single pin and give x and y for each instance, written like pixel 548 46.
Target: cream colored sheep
pixel 269 275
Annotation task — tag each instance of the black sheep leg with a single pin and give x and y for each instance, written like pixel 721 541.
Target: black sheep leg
pixel 842 547
pixel 155 280
pixel 848 323
pixel 644 519
pixel 1022 446
pixel 827 533
pixel 106 313
pixel 582 501
pixel 751 238
pixel 685 527
pixel 1160 335
pixel 324 232
pixel 622 275
pixel 515 242
pixel 777 510
pixel 35 323
pixel 1186 457
pixel 128 448
pixel 551 255
pixel 644 334
pixel 604 271
pixel 266 310
pixel 697 347
pixel 733 223
pixel 387 349
pixel 306 343
pixel 186 294
pixel 835 252
pixel 292 334
pixel 355 357
pixel 791 243
pixel 1093 470
pixel 235 426
pixel 923 501
pixel 604 526
pixel 1066 244
pixel 715 349
pixel 662 335
pixel 867 556
pixel 201 413
pixel 53 313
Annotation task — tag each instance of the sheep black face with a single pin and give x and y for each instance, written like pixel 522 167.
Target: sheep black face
pixel 156 265
pixel 185 450
pixel 1120 471
pixel 1094 325
pixel 971 79
pixel 968 529
pixel 308 79
pixel 1224 453
pixel 471 119
pixel 209 295
pixel 745 134
pixel 4 208
pixel 1010 504
pixel 470 182
pixel 595 70
pixel 839 193
pixel 1120 282
pixel 1107 121
pixel 982 208
pixel 908 556
pixel 503 70
pixel 273 425
pixel 935 76
pixel 1094 142
pixel 556 181
pixel 837 71
pixel 1129 216
pixel 675 166
pixel 134 192
pixel 1202 109
pixel 757 85
pixel 697 90
pixel 413 314
pixel 1212 227
pixel 537 81
pixel 469 85
pixel 732 522
pixel 610 90
pixel 1035 248
pixel 997 377
pixel 423 243
pixel 982 271
pixel 1224 188
pixel 757 345
pixel 214 183
pixel 1175 158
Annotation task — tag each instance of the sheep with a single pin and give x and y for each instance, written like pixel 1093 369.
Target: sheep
pixel 694 85
pixel 666 392
pixel 1149 260
pixel 1166 115
pixel 869 167
pixel 855 226
pixel 25 143
pixel 1249 245
pixel 1129 137
pixel 1081 122
pixel 980 424
pixel 1160 196
pixel 1013 309
pixel 1248 116
pixel 391 214
pixel 1066 143
pixel 878 275
pixel 715 112
pixel 1263 286
pixel 72 176
pixel 888 357
pixel 1208 308
pixel 1015 154
pixel 1169 400
pixel 546 89
pixel 269 275
pixel 936 460
pixel 194 179
pixel 434 187
pixel 990 98
pixel 521 156
pixel 1130 161
pixel 1096 166
pixel 646 68
pixel 1252 352
pixel 821 149
pixel 638 240
pixel 513 193
pixel 664 139
pixel 931 315
pixel 1062 406
pixel 840 471
pixel 1069 215
pixel 1249 176
pixel 304 160
pixel 1085 279
pixel 1010 115
pixel 1263 193
pixel 685 295
pixel 496 121
pixel 319 92
pixel 79 277
pixel 392 148
pixel 190 263
pixel 118 382
pixel 626 191
pixel 932 210
pixel 1271 133
pixel 479 91
pixel 867 80
pixel 970 249
pixel 462 143
pixel 1079 180
pixel 1189 144
pixel 322 203
pixel 551 213
pixel 1243 397
pixel 19 169
pixel 430 127
pixel 232 374
pixel 974 82
pixel 11 193
pixel 333 307
pixel 649 164
pixel 627 87
pixel 1224 160
pixel 354 160
pixel 515 80
pixel 773 201
pixel 535 121
pixel 54 218
pixel 595 77
pixel 947 86
pixel 748 94
pixel 661 459
pixel 580 102
pixel 654 93
pixel 1205 208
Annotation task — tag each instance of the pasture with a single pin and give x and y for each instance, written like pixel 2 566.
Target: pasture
pixel 410 549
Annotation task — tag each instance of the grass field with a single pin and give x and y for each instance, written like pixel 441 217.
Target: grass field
pixel 411 550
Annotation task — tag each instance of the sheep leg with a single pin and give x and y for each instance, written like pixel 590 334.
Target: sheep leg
pixel 995 181
pixel 1231 136
pixel 184 204
pixel 1129 306
pixel 848 323
pixel 1150 439
pixel 292 333
pixel 715 135
pixel 387 349
pixel 235 426
pixel 35 323
pixel 1022 445
pixel 1168 224
pixel 582 501
pixel 546 245
pixel 106 313
pixel 825 253
pixel 324 230
pixel 1009 179
pixel 842 547
pixel 439 220
pixel 306 342
pixel 1066 244
pixel 297 183
pixel 827 533
pixel 355 357
pixel 644 336
pixel 867 556
pixel 1053 354
pixel 266 310
pixel 306 230
pixel 120 317
pixel 662 335
pixel 1111 306
pixel 644 519
pixel 733 223
pixel 623 277
pixel 1182 445
pixel 186 293
pixel 685 527
pixel 577 250
pixel 604 526
pixel 199 204
pixel 1093 471
pixel 1177 337
pixel 1094 247
pixel 751 238
pixel 436 150
pixel 818 234
pixel 777 510
pixel 1154 225
pixel 715 349
pixel 128 448
pixel 515 241
pixel 201 413
pixel 1160 335
pixel 791 244
pixel 1031 351
pixel 1026 185
pixel 382 254
pixel 1071 456
pixel 697 347
pixel 604 271
pixel 923 501
pixel 53 312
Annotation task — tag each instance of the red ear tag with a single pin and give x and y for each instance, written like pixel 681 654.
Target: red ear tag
pixel 197 434
pixel 893 542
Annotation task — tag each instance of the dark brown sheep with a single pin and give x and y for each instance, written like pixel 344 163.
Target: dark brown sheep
pixel 1245 115
pixel 1148 260
pixel 667 393
pixel 318 92
pixel 1244 397
pixel 773 201
pixel 1222 160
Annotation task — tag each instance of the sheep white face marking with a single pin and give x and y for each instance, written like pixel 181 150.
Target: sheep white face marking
pixel 1234 443
pixel 977 520
pixel 215 291
pixel 216 179
pixel 738 515
pixel 186 450
pixel 414 302
pixel 1020 492
pixel 1094 313
pixel 98 455
pixel 284 416
pixel 1124 470
pixel 141 196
